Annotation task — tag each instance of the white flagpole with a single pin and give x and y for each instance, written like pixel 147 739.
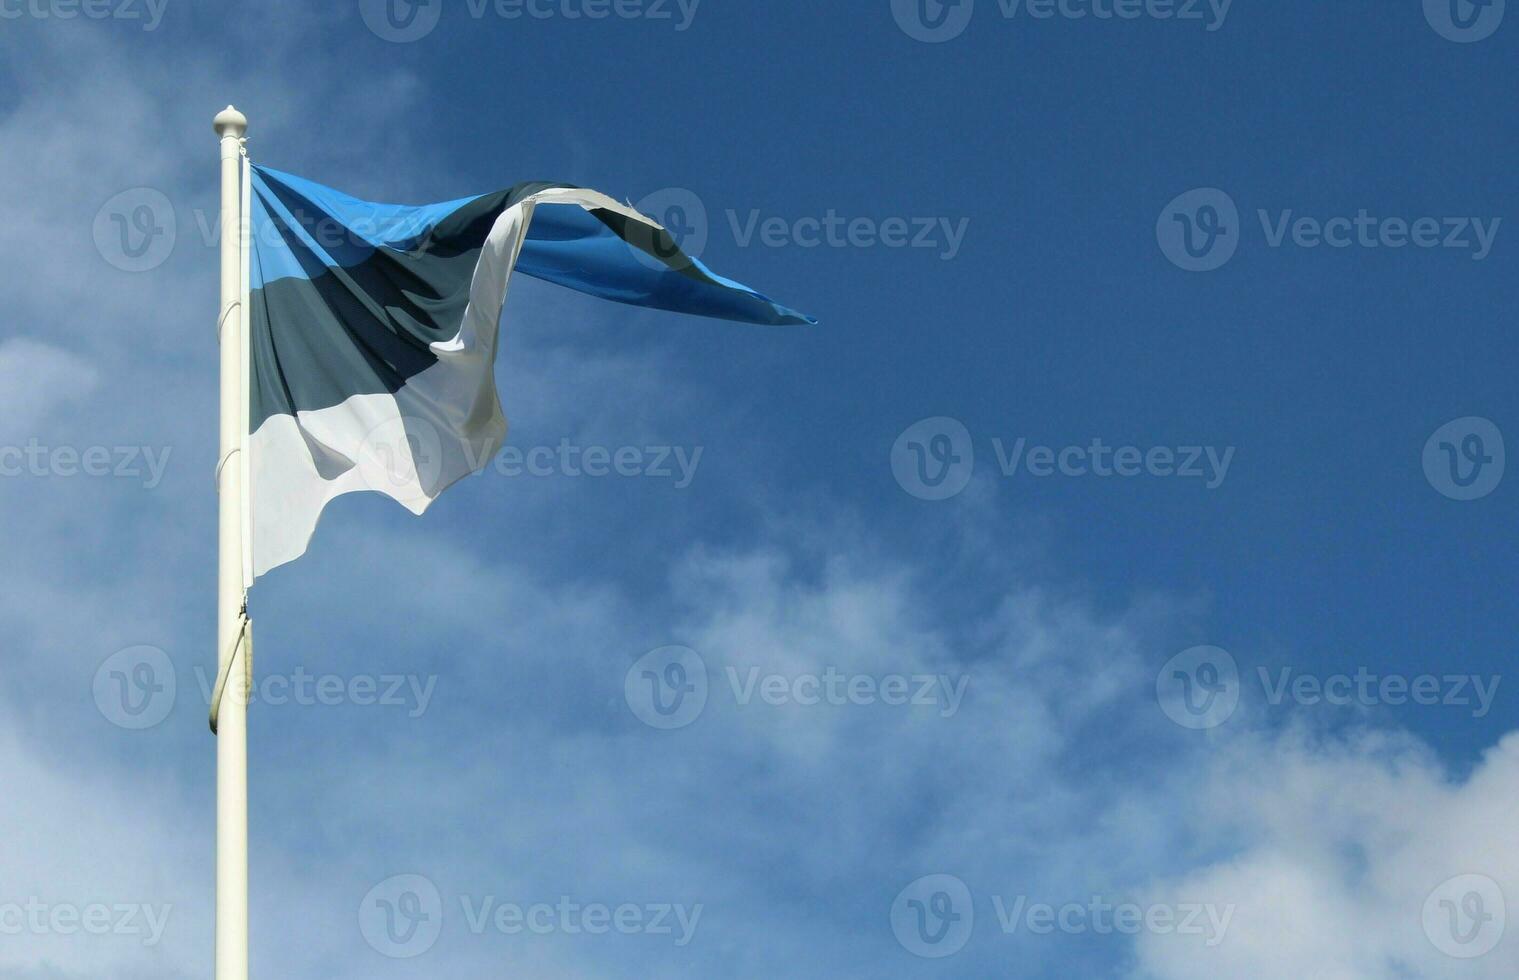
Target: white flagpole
pixel 232 721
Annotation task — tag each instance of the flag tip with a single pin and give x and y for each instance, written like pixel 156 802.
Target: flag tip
pixel 230 122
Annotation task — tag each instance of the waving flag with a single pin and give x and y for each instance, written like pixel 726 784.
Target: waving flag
pixel 372 332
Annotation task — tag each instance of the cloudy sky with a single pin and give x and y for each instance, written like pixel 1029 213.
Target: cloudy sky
pixel 1117 582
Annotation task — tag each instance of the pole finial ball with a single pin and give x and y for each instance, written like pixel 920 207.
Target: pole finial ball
pixel 230 122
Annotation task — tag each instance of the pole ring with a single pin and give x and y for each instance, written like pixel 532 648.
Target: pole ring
pixel 222 463
pixel 234 305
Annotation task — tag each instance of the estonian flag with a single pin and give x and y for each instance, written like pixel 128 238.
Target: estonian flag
pixel 372 332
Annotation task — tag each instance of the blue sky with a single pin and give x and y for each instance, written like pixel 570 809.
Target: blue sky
pixel 1048 167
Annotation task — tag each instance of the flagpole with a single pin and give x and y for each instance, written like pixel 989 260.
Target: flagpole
pixel 232 720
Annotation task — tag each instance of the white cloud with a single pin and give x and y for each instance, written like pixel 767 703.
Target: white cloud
pixel 1338 845
pixel 80 835
pixel 529 777
pixel 36 380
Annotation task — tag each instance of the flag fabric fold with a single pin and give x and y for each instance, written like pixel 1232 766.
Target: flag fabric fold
pixel 373 329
